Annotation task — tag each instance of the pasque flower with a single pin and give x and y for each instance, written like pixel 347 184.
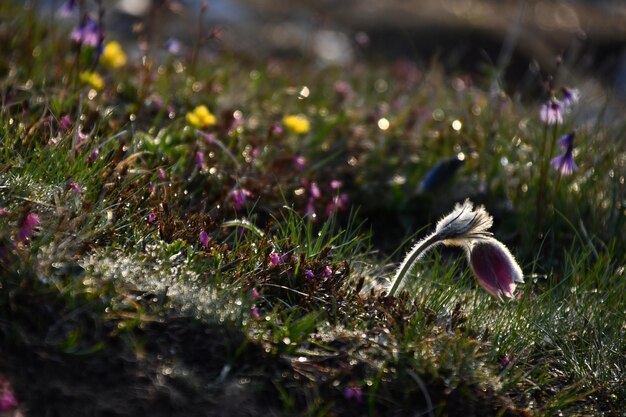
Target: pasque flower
pixel 467 226
pixel 88 33
pixel 564 163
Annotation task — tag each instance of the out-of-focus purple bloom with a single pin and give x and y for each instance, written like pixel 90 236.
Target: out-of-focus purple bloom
pixel 353 393
pixel 82 138
pixel 335 184
pixel 161 174
pixel 495 268
pixel 151 187
pixel 93 156
pixel 327 272
pixel 315 191
pixel 66 123
pixel 338 203
pixel 275 259
pixel 67 9
pixel 440 174
pixel 309 274
pixel 200 159
pixel 564 163
pixel 300 162
pixel 4 211
pixel 310 208
pixel 255 313
pixel 209 138
pixel 204 239
pixel 72 185
pixel 8 401
pixel 570 97
pixel 239 197
pixel 504 363
pixel 254 294
pixel 173 46
pixel 27 229
pixel 152 217
pixel 551 112
pixel 277 129
pixel 343 90
pixel 87 33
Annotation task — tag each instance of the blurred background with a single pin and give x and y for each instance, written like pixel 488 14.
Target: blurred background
pixel 467 35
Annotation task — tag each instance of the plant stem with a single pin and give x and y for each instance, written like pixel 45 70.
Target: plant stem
pixel 418 250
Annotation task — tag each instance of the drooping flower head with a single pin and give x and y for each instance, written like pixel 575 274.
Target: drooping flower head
pixel 564 163
pixel 495 267
pixel 204 239
pixel 67 8
pixel 239 197
pixel 552 112
pixel 28 226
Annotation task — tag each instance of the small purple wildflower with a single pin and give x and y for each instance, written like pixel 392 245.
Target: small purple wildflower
pixel 93 156
pixel 239 197
pixel 200 159
pixel 173 46
pixel 505 363
pixel 315 191
pixel 161 174
pixel 300 162
pixel 277 129
pixel 570 97
pixel 255 313
pixel 152 217
pixel 564 163
pixel 309 274
pixel 204 239
pixel 66 123
pixel 353 393
pixel 255 294
pixel 8 401
pixel 87 33
pixel 275 259
pixel 335 184
pixel 551 112
pixel 67 9
pixel 327 272
pixel 27 229
pixel 72 185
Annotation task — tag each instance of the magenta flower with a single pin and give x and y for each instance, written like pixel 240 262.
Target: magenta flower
pixel 4 211
pixel 327 272
pixel 239 197
pixel 309 274
pixel 66 123
pixel 8 401
pixel 162 175
pixel 87 33
pixel 315 191
pixel 335 184
pixel 551 112
pixel 152 217
pixel 300 162
pixel 564 163
pixel 494 267
pixel 93 156
pixel 254 294
pixel 255 313
pixel 353 393
pixel 72 185
pixel 27 229
pixel 200 159
pixel 275 259
pixel 204 239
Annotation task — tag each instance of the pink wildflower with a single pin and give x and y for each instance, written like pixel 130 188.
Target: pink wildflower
pixel 255 313
pixel 204 239
pixel 353 393
pixel 275 259
pixel 8 401
pixel 29 224
pixel 239 197
pixel 152 217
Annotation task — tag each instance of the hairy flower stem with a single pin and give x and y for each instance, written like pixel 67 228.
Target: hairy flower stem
pixel 409 260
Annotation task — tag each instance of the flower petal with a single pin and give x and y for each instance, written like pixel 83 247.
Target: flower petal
pixel 495 267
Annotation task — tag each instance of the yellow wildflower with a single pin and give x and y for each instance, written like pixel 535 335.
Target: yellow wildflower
pixel 296 124
pixel 201 117
pixel 92 78
pixel 113 56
